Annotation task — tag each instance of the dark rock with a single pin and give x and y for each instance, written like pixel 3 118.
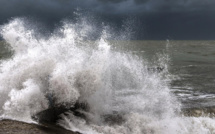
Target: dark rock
pixel 17 127
pixel 52 114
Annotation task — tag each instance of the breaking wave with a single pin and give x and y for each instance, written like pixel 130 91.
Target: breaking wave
pixel 117 92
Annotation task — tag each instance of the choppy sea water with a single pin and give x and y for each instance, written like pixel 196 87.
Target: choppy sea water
pixel 192 63
pixel 128 87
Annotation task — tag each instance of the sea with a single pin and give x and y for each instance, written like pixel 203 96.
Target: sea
pixel 108 85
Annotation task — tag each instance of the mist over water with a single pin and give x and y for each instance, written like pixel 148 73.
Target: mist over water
pixel 124 94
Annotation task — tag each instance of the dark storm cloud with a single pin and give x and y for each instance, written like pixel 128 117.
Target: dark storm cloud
pixel 112 1
pixel 141 6
pixel 64 7
pixel 179 5
pixel 158 19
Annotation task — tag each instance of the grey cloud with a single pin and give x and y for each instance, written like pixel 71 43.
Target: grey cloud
pixel 141 1
pixel 179 5
pixel 155 15
pixel 65 7
pixel 112 1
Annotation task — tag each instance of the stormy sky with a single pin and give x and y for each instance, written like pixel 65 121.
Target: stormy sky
pixel 154 19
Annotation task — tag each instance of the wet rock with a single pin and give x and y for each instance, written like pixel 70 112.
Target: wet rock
pixel 52 114
pixel 17 127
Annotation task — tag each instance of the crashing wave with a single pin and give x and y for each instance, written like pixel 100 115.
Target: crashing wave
pixel 87 86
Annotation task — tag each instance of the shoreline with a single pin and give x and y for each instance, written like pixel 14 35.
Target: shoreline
pixel 18 127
